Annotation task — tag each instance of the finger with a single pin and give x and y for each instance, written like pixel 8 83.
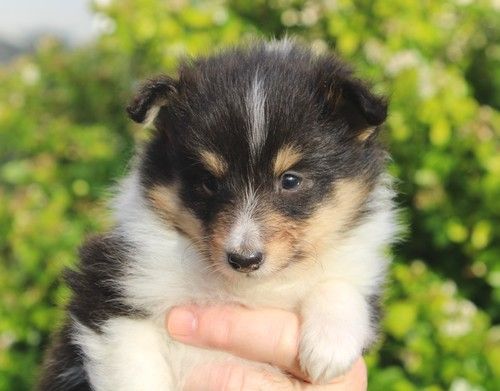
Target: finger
pixel 356 379
pixel 228 377
pixel 268 335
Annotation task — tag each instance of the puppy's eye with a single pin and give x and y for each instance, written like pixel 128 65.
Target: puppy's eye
pixel 290 181
pixel 210 185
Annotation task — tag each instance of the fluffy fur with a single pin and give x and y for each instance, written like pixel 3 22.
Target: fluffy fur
pixel 212 181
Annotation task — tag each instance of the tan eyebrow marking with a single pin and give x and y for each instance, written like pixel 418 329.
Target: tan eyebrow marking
pixel 286 157
pixel 214 163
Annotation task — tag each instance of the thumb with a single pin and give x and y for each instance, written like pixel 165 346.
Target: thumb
pixel 266 335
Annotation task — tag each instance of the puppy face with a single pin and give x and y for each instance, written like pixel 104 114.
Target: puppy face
pixel 262 156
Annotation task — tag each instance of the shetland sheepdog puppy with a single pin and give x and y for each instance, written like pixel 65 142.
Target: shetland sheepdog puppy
pixel 262 184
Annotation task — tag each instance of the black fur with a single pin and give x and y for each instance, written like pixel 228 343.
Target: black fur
pixel 95 300
pixel 63 366
pixel 312 101
pixel 151 93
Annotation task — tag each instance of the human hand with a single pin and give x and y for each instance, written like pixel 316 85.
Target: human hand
pixel 266 336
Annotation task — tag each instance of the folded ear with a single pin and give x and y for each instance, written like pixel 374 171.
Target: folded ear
pixel 152 95
pixel 352 100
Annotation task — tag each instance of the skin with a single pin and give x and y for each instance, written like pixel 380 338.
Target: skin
pixel 267 336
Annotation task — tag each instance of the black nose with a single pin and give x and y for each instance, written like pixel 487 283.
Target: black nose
pixel 245 263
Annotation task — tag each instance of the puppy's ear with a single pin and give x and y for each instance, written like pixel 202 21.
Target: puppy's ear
pixel 152 95
pixel 351 100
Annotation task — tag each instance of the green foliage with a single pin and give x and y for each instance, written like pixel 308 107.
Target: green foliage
pixel 64 138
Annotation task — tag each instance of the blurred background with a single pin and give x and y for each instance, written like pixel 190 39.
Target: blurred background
pixel 68 68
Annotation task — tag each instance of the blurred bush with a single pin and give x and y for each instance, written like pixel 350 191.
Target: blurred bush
pixel 64 138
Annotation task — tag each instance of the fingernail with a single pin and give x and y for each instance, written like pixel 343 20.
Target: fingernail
pixel 181 323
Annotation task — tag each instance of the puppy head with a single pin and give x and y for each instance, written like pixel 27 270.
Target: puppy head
pixel 262 156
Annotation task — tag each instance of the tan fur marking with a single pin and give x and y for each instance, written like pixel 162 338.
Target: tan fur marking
pixel 216 249
pixel 283 237
pixel 324 228
pixel 166 201
pixel 363 136
pixel 214 163
pixel 286 158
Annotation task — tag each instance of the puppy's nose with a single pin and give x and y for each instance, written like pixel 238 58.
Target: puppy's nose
pixel 245 263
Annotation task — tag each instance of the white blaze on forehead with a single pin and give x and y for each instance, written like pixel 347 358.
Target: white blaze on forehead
pixel 256 109
pixel 244 234
pixel 283 45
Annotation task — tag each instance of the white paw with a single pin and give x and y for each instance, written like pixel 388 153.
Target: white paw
pixel 327 351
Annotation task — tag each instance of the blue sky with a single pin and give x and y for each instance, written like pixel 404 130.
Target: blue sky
pixel 71 18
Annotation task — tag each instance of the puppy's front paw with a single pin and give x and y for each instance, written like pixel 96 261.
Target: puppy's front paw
pixel 327 351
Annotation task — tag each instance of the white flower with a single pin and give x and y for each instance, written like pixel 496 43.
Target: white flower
pixel 402 60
